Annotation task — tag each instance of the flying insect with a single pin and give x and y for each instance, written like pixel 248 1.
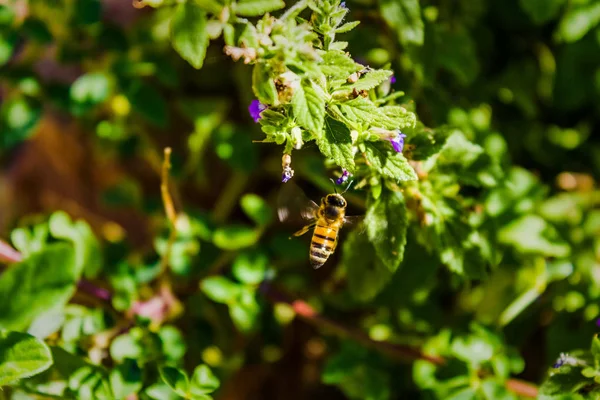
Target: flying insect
pixel 326 219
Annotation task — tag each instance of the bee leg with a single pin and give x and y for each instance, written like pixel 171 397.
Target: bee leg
pixel 303 230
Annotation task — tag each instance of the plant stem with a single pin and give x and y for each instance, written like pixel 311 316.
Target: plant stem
pixel 400 352
pixel 8 254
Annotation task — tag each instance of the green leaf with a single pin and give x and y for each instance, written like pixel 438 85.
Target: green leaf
pixel 126 379
pixel 336 63
pixel 220 289
pixel 387 221
pixel 173 343
pixel 21 356
pixel 160 391
pixel 250 267
pixel 383 159
pixel 308 103
pixel 90 89
pixel 263 85
pixel 472 349
pixel 579 20
pixel 256 8
pixel 212 6
pixel 189 35
pixel 203 381
pixel 531 234
pixel 426 142
pixel 541 11
pixel 596 350
pixel 563 381
pixel 405 17
pixel 367 275
pixel 18 119
pixel 176 378
pixel 257 209
pixel 347 27
pixel 235 237
pixel 125 346
pixel 336 144
pixel 88 254
pixel 370 80
pixel 244 313
pixel 42 282
pixel 83 380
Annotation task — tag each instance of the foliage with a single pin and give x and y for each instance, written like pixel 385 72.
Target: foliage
pixel 473 274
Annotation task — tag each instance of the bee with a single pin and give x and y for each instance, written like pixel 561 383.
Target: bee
pixel 326 219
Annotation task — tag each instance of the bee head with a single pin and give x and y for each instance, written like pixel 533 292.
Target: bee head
pixel 335 200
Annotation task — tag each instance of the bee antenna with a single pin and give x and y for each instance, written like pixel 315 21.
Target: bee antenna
pixel 348 187
pixel 334 187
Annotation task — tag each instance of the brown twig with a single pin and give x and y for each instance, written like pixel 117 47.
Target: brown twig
pixel 169 208
pixel 396 351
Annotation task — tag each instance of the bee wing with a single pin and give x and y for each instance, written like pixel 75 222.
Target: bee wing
pixel 353 219
pixel 293 204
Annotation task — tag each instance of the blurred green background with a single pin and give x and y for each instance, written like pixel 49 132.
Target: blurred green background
pixel 91 92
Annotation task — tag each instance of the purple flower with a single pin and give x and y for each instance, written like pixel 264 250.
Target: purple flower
pixel 392 79
pixel 255 108
pixel 343 178
pixel 286 175
pixel 398 142
pixel 343 4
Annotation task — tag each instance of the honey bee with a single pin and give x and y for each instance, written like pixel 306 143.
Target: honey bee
pixel 326 219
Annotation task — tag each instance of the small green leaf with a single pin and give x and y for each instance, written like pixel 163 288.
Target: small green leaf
pixel 579 20
pixel 160 391
pixel 336 144
pixel 90 89
pixel 596 350
pixel 84 380
pixel 235 237
pixel 212 6
pixel 367 275
pixel 87 248
pixel 44 281
pixel 244 315
pixel 388 163
pixel 255 8
pixel 405 17
pixel 533 235
pixel 256 208
pixel 263 85
pixel 387 221
pixel 177 380
pixel 173 343
pixel 336 63
pixel 189 35
pixel 203 381
pixel 370 80
pixel 126 379
pixel 21 356
pixel 220 289
pixel 308 103
pixel 347 27
pixel 250 267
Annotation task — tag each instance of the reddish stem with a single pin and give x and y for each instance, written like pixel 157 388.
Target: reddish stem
pixel 310 315
pixel 8 254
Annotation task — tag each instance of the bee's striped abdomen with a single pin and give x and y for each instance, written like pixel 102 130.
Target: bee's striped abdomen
pixel 322 244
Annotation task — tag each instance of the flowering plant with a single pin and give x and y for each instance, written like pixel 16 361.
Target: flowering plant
pixel 463 131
